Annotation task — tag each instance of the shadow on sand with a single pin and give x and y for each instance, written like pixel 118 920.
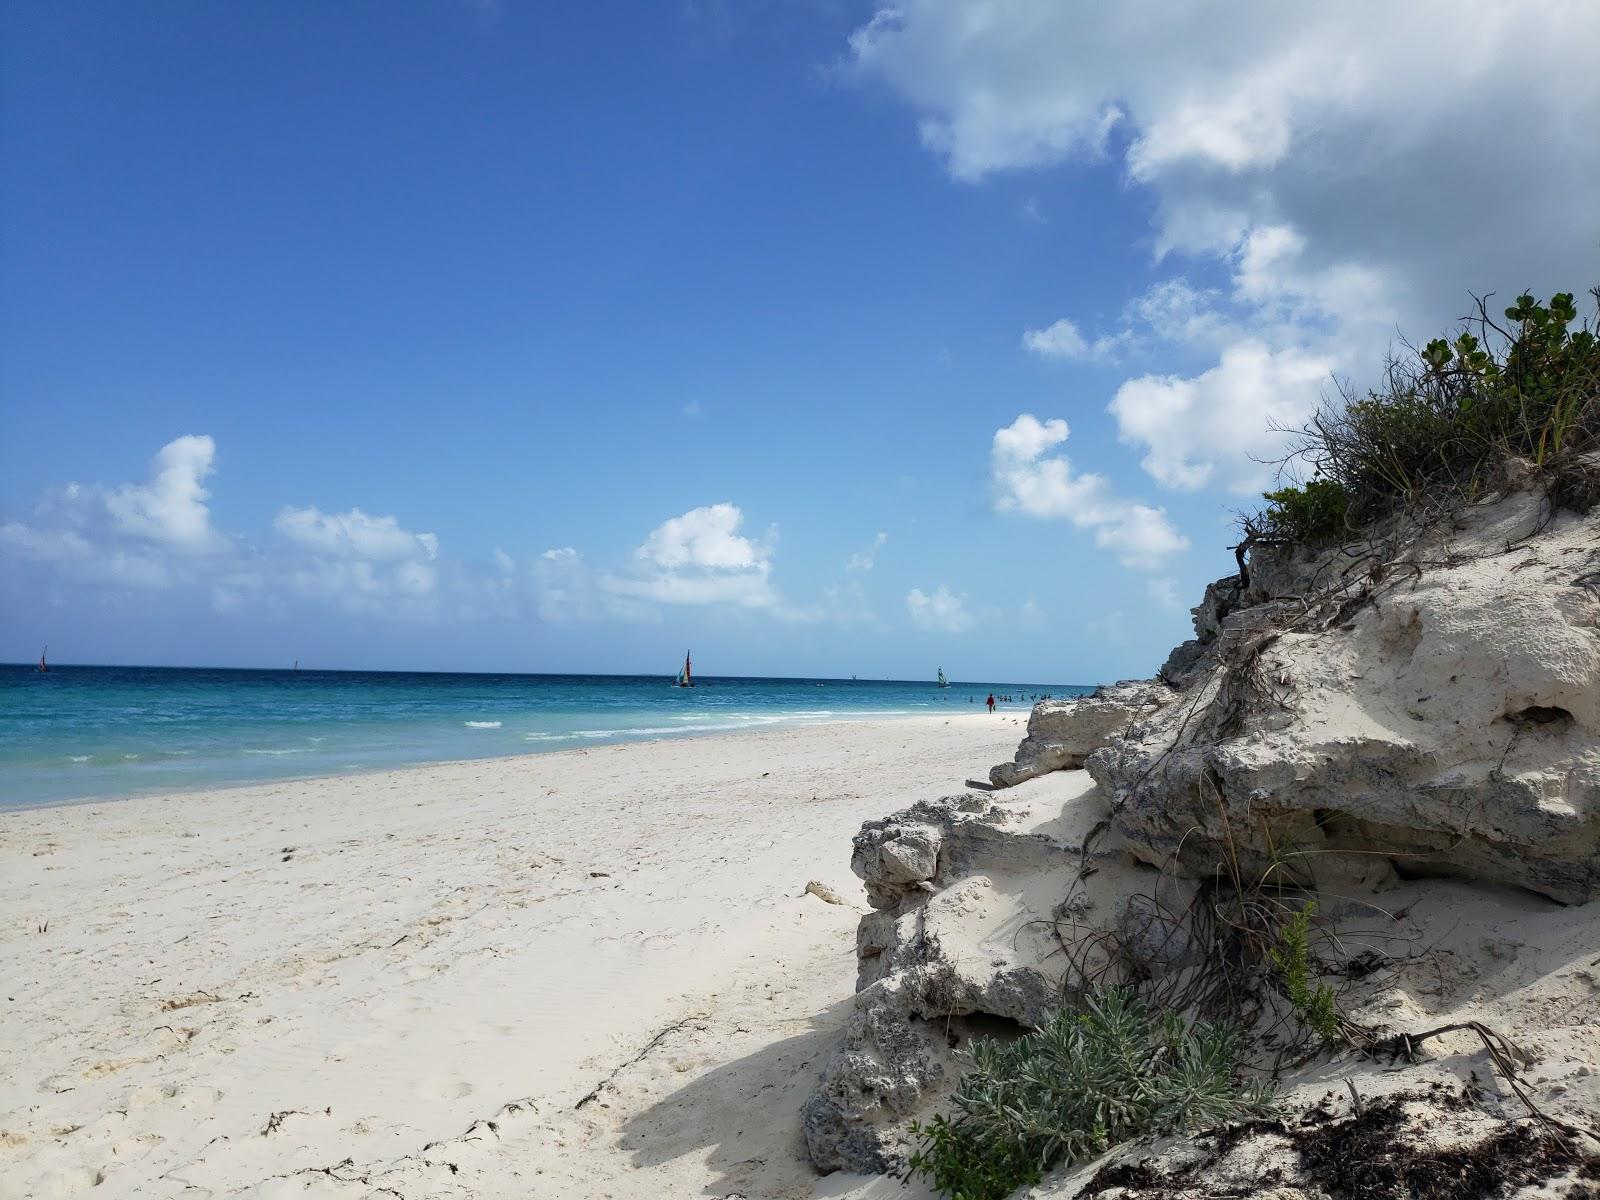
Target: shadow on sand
pixel 747 1113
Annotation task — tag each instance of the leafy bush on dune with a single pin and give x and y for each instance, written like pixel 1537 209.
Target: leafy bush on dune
pixel 1090 1079
pixel 1445 423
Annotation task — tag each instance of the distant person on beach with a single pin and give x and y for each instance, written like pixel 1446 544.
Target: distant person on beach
pixel 990 702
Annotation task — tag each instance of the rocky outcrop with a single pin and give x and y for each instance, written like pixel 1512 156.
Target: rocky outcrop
pixel 1062 733
pixel 1426 703
pixel 1439 714
pixel 945 944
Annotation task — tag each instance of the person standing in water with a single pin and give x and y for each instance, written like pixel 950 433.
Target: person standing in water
pixel 990 701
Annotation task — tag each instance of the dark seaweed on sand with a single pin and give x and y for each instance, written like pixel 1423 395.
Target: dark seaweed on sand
pixel 1371 1154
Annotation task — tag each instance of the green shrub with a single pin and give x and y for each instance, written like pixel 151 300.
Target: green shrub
pixel 1292 957
pixel 1315 512
pixel 1087 1081
pixel 963 1164
pixel 1447 418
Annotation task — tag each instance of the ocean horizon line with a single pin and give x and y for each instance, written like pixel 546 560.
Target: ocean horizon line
pixel 31 665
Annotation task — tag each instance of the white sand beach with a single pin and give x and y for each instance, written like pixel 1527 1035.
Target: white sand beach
pixel 583 974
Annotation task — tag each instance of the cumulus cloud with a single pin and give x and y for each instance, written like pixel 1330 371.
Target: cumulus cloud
pixel 1064 340
pixel 702 558
pixel 354 534
pixel 567 589
pixel 359 561
pixel 159 535
pixel 1352 168
pixel 1028 479
pixel 865 560
pixel 1220 428
pixel 939 612
pixel 698 558
pixel 705 538
pixel 171 507
pixel 140 535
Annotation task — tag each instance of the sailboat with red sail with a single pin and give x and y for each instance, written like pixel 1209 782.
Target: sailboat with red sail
pixel 43 666
pixel 686 676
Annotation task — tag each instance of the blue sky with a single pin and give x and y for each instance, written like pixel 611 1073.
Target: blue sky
pixel 456 335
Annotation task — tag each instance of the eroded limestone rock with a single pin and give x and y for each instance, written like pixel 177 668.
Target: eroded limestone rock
pixel 944 944
pixel 1062 733
pixel 1447 722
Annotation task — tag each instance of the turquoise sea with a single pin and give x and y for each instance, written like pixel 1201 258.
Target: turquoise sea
pixel 82 732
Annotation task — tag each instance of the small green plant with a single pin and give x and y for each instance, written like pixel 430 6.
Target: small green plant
pixel 963 1164
pixel 1315 512
pixel 1292 957
pixel 1090 1079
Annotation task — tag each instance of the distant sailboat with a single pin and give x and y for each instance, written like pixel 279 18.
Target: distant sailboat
pixel 44 666
pixel 686 676
pixel 943 682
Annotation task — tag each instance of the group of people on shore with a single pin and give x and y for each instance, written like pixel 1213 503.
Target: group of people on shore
pixel 1007 699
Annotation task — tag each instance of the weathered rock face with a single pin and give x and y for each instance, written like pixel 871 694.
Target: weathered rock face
pixel 1431 709
pixel 1445 722
pixel 1062 733
pixel 945 944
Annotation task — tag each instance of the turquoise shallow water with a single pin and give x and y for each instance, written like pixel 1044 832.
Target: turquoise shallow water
pixel 83 732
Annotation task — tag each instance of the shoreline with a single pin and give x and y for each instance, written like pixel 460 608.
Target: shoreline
pixel 162 791
pixel 292 974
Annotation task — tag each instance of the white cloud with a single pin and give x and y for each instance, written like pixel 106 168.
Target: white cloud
pixel 1354 168
pixel 1176 311
pixel 360 562
pixel 158 535
pixel 1218 428
pixel 150 535
pixel 171 508
pixel 697 559
pixel 1027 479
pixel 566 589
pixel 864 560
pixel 354 534
pixel 705 537
pixel 941 612
pixel 702 558
pixel 1141 537
pixel 74 557
pixel 1064 340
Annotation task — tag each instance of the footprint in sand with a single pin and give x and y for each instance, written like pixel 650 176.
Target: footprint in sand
pixel 187 1096
pixel 136 1147
pixel 149 1097
pixel 444 1089
pixel 69 1181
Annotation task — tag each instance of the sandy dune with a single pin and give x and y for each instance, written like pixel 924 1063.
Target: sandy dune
pixel 592 973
